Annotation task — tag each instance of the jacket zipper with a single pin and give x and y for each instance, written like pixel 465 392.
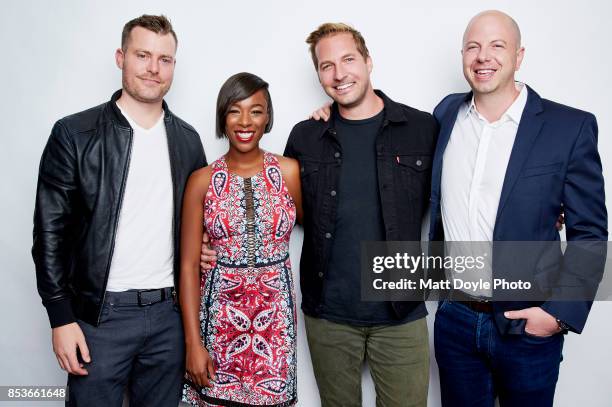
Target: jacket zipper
pixel 175 238
pixel 117 213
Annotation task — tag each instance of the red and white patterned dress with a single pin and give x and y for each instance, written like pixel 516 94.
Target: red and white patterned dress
pixel 248 315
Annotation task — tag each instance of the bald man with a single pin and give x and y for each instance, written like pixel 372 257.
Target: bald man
pixel 506 162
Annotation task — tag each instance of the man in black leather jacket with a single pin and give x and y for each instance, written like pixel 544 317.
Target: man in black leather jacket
pixel 106 231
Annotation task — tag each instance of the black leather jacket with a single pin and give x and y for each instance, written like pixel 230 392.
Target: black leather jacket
pixel 81 181
pixel 404 150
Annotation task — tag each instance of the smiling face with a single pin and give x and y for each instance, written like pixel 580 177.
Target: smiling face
pixel 147 65
pixel 246 121
pixel 491 53
pixel 343 72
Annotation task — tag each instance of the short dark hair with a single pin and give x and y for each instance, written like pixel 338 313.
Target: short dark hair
pixel 158 24
pixel 236 88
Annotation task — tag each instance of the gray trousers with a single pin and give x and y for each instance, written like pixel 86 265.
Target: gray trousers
pixel 138 348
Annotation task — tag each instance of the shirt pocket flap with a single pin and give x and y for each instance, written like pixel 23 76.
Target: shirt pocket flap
pixel 308 167
pixel 414 161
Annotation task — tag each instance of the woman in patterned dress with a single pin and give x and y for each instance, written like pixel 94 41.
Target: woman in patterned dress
pixel 240 316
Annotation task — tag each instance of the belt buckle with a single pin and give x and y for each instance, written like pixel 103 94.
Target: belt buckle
pixel 139 295
pixel 483 305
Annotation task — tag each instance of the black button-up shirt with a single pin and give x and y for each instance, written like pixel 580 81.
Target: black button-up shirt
pixel 404 149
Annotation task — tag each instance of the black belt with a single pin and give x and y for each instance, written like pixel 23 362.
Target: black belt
pixel 475 304
pixel 141 297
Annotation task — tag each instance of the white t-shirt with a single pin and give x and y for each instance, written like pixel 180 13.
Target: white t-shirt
pixel 143 255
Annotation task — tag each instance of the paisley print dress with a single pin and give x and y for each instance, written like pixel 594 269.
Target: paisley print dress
pixel 248 314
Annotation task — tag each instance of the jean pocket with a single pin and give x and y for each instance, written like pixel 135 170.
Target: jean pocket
pixel 442 304
pixel 538 339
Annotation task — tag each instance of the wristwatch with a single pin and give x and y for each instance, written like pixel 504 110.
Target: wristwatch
pixel 563 326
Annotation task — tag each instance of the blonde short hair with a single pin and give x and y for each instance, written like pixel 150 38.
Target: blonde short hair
pixel 328 29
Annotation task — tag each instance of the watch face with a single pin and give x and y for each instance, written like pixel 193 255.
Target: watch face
pixel 563 325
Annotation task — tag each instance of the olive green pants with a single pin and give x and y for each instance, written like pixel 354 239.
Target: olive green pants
pixel 398 357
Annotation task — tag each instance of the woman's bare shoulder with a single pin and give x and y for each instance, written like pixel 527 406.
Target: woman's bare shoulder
pixel 288 165
pixel 200 179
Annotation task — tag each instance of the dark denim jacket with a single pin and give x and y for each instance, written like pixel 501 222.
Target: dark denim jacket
pixel 404 149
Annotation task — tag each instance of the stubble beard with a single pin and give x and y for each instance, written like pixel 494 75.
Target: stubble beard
pixel 141 96
pixel 356 101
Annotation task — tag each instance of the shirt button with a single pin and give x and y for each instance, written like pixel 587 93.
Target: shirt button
pixel 337 154
pixel 320 274
pixel 333 193
pixel 328 235
pixel 419 163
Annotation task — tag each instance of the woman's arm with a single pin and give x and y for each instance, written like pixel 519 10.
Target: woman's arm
pixel 291 174
pixel 198 363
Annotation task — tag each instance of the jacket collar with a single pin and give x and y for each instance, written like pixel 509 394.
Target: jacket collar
pixel 393 113
pixel 514 111
pixel 393 110
pixel 528 130
pixel 118 117
pixel 533 105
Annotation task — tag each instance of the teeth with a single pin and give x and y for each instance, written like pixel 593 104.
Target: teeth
pixel 484 71
pixel 244 135
pixel 344 86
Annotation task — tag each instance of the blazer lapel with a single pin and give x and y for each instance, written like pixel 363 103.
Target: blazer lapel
pixel 528 130
pixel 447 122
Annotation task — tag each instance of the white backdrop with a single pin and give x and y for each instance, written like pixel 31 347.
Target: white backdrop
pixel 58 59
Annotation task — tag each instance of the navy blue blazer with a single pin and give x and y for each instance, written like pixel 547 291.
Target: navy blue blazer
pixel 554 162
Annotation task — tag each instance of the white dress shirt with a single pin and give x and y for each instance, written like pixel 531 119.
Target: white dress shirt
pixel 473 172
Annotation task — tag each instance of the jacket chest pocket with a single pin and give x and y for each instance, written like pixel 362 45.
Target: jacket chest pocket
pixel 413 175
pixel 309 176
pixel 541 170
